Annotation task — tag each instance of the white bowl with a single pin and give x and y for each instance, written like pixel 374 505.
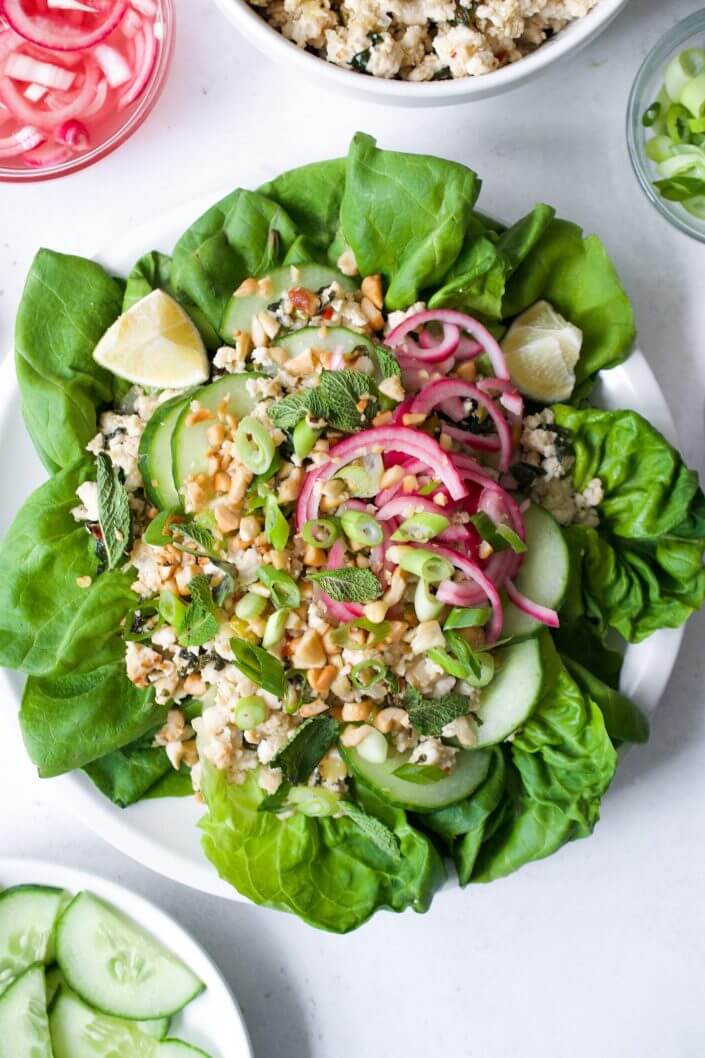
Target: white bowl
pixel 429 93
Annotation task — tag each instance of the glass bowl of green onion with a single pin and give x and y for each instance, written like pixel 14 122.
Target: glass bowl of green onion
pixel 666 126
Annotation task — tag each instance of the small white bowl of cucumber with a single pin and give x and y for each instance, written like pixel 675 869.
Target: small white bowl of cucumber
pixel 82 973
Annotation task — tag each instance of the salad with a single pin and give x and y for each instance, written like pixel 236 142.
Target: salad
pixel 334 537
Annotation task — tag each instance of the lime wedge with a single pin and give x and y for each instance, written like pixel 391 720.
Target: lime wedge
pixel 542 349
pixel 154 344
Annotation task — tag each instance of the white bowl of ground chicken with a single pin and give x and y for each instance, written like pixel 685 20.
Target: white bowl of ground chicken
pixel 420 52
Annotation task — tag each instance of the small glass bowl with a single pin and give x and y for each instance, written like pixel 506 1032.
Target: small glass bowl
pixel 134 117
pixel 649 82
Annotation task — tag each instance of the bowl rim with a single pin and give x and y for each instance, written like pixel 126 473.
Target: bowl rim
pixel 576 33
pixel 672 39
pixel 135 119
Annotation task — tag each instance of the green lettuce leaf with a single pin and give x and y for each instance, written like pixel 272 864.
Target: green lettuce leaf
pixel 245 234
pixel 560 765
pixel 129 774
pixel 327 871
pixel 405 216
pixel 642 568
pixel 67 305
pixel 478 280
pixel 311 195
pixel 577 277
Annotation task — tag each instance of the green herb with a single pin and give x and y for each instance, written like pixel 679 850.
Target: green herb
pixel 443 74
pixel 199 622
pixel 348 584
pixel 421 774
pixel 276 802
pixel 308 745
pixel 259 666
pixel 387 363
pixel 373 828
pixel 361 59
pixel 192 537
pixel 276 527
pixel 139 623
pixel 114 512
pixel 680 188
pixel 335 399
pixel 430 715
pixel 227 583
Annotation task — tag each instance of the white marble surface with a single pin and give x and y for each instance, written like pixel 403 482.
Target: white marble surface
pixel 599 951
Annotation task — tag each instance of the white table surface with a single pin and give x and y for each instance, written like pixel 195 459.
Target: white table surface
pixel 598 952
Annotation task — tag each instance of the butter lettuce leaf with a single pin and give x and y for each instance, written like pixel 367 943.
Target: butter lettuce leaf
pixel 642 568
pixel 67 305
pixel 326 871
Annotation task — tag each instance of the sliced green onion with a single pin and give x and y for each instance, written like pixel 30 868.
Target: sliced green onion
pixel 259 666
pixel 156 532
pixel 374 747
pixel 276 527
pixel 659 148
pixel 249 606
pixel 320 532
pixel 250 712
pixel 422 774
pixel 363 476
pixel 344 635
pixel 422 563
pixel 313 801
pixel 677 118
pixel 421 527
pixel 683 68
pixel 651 115
pixel 680 188
pixel 697 126
pixel 462 661
pixel 512 538
pixel 429 487
pixel 693 96
pixel 361 528
pixel 291 699
pixel 254 446
pixel 172 610
pixel 274 628
pixel 304 438
pixel 367 673
pixel 283 589
pixel 467 617
pixel 426 604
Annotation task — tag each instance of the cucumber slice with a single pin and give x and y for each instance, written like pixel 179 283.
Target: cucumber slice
pixel 79 1032
pixel 336 338
pixel 240 312
pixel 178 1049
pixel 157 1028
pixel 54 981
pixel 24 1023
pixel 155 453
pixel 27 917
pixel 509 699
pixel 544 574
pixel 189 441
pixel 470 771
pixel 117 967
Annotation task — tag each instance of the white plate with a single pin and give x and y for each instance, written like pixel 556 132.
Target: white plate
pixel 163 835
pixel 212 1021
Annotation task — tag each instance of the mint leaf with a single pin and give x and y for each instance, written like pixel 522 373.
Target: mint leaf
pixel 430 715
pixel 387 363
pixel 192 537
pixel 348 584
pixel 199 624
pixel 373 828
pixel 335 400
pixel 114 512
pixel 341 392
pixel 307 746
